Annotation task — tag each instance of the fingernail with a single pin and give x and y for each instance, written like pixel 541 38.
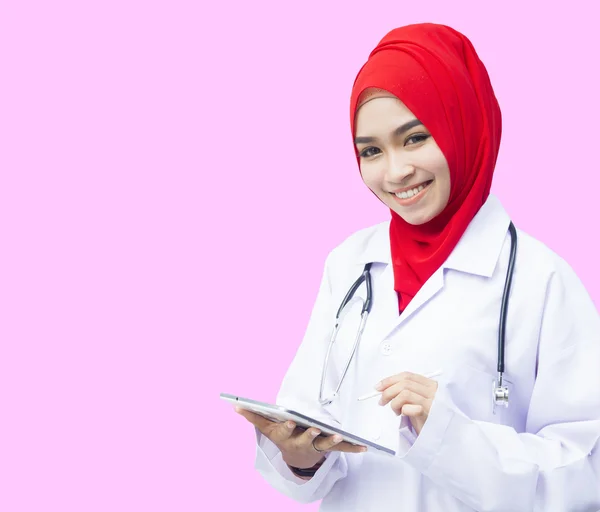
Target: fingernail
pixel 336 439
pixel 381 401
pixel 363 449
pixel 314 433
pixel 289 425
pixel 378 386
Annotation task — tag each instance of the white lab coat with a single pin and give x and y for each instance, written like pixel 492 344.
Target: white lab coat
pixel 540 454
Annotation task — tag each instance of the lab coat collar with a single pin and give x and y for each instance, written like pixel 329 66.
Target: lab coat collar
pixel 376 248
pixel 479 248
pixel 477 251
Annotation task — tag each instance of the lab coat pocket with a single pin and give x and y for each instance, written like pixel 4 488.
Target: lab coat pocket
pixel 471 390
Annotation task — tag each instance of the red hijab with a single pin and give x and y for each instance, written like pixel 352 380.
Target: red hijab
pixel 435 71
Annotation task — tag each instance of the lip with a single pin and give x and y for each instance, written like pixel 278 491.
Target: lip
pixel 406 189
pixel 414 199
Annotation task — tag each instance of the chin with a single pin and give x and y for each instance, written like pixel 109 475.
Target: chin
pixel 418 214
pixel 418 221
pixel 415 219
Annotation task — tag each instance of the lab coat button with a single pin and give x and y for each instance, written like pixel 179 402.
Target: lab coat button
pixel 386 349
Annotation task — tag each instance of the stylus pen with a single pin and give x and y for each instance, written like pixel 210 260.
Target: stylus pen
pixel 377 393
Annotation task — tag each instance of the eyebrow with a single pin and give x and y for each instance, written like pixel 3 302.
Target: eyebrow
pixel 397 132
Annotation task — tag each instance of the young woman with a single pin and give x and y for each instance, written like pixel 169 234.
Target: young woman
pixel 447 272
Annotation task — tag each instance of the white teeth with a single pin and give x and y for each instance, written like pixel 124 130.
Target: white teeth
pixel 410 193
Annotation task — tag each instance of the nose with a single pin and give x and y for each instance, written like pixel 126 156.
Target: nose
pixel 398 169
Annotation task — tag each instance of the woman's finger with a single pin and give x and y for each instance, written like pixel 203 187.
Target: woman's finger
pixel 276 432
pixel 407 397
pixel 421 379
pixel 392 392
pixel 282 432
pixel 306 438
pixel 261 423
pixel 324 444
pixel 335 443
pixel 412 410
pixel 348 448
pixel 404 377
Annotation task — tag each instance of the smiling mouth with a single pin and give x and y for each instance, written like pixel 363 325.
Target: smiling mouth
pixel 407 194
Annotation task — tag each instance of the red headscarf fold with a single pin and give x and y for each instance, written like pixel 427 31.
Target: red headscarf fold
pixel 435 71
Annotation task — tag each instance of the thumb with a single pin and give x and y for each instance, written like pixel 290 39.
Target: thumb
pixel 412 410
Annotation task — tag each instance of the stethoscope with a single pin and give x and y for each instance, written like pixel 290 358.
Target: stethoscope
pixel 499 390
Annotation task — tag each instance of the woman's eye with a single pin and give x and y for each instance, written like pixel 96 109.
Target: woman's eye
pixel 415 139
pixel 367 152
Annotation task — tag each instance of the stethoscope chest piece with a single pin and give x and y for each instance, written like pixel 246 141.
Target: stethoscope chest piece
pixel 499 395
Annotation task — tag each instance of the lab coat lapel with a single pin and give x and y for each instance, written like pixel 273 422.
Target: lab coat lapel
pixel 476 253
pixel 429 289
pixel 390 319
pixel 385 304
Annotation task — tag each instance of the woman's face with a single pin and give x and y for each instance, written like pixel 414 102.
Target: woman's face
pixel 399 160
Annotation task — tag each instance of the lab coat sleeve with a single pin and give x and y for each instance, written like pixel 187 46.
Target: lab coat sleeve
pixel 554 466
pixel 299 391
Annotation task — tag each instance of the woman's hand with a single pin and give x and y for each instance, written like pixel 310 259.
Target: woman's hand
pixel 296 444
pixel 410 394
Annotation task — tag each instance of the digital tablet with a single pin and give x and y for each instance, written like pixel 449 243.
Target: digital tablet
pixel 280 414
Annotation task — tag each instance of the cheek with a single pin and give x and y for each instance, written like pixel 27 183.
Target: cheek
pixel 370 177
pixel 443 176
pixel 438 166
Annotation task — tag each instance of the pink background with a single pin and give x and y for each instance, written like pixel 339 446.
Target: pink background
pixel 172 176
